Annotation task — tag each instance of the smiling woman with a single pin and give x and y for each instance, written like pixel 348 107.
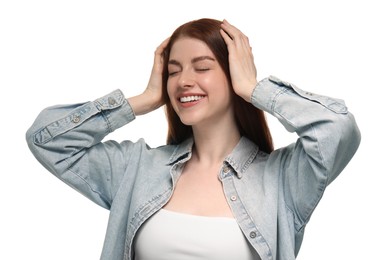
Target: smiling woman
pixel 218 176
pixel 197 73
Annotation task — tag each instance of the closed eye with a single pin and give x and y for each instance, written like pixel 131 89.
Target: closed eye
pixel 173 73
pixel 203 69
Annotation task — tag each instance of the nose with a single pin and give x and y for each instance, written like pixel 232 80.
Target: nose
pixel 186 79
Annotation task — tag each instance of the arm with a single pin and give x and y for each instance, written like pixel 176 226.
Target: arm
pixel 328 134
pixel 328 139
pixel 67 140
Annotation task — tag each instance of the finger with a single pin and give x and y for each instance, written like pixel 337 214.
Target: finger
pixel 158 56
pixel 162 46
pixel 226 36
pixel 235 34
pixel 231 30
pixel 228 28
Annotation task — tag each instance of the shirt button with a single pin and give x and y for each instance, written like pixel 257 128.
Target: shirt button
pixel 76 119
pixel 225 169
pixel 252 234
pixel 111 101
pixel 233 198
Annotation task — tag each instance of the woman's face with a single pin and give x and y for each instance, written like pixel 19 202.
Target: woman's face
pixel 197 86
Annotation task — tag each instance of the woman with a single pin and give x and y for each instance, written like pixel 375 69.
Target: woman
pixel 217 190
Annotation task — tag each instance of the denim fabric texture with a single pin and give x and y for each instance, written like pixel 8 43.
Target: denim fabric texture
pixel 272 196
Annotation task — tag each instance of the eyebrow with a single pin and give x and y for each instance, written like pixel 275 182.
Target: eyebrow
pixel 194 60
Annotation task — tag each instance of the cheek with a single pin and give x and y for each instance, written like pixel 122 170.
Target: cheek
pixel 218 85
pixel 214 81
pixel 206 80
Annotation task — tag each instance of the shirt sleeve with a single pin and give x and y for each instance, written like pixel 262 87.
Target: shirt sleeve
pixel 328 137
pixel 67 141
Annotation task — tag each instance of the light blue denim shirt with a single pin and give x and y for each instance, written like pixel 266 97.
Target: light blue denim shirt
pixel 272 196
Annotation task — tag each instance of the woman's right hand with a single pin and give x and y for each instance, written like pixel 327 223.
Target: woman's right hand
pixel 151 98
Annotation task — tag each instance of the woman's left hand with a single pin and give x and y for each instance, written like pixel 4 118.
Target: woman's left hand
pixel 241 62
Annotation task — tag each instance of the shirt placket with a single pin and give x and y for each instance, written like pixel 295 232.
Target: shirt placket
pixel 248 227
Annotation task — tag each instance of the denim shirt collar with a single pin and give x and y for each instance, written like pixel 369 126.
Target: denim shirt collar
pixel 239 159
pixel 183 150
pixel 242 155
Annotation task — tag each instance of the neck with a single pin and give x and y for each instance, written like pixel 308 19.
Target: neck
pixel 213 144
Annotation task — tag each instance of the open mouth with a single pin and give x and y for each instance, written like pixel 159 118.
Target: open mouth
pixel 188 99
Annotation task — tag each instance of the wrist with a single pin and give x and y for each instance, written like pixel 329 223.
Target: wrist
pixel 144 103
pixel 246 92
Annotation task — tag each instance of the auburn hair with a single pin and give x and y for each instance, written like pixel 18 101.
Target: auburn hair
pixel 250 120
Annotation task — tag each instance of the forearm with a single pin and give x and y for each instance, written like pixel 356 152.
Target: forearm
pixel 60 133
pixel 144 103
pixel 326 129
pixel 67 140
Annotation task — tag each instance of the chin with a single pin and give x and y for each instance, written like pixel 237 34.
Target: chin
pixel 187 122
pixel 192 118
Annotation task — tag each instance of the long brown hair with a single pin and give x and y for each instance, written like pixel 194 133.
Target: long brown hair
pixel 251 121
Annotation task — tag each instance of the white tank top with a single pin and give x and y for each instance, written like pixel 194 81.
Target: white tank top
pixel 178 236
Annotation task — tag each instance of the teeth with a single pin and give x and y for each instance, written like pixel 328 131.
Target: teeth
pixel 190 98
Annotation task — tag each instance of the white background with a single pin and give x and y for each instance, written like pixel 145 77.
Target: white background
pixel 54 52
